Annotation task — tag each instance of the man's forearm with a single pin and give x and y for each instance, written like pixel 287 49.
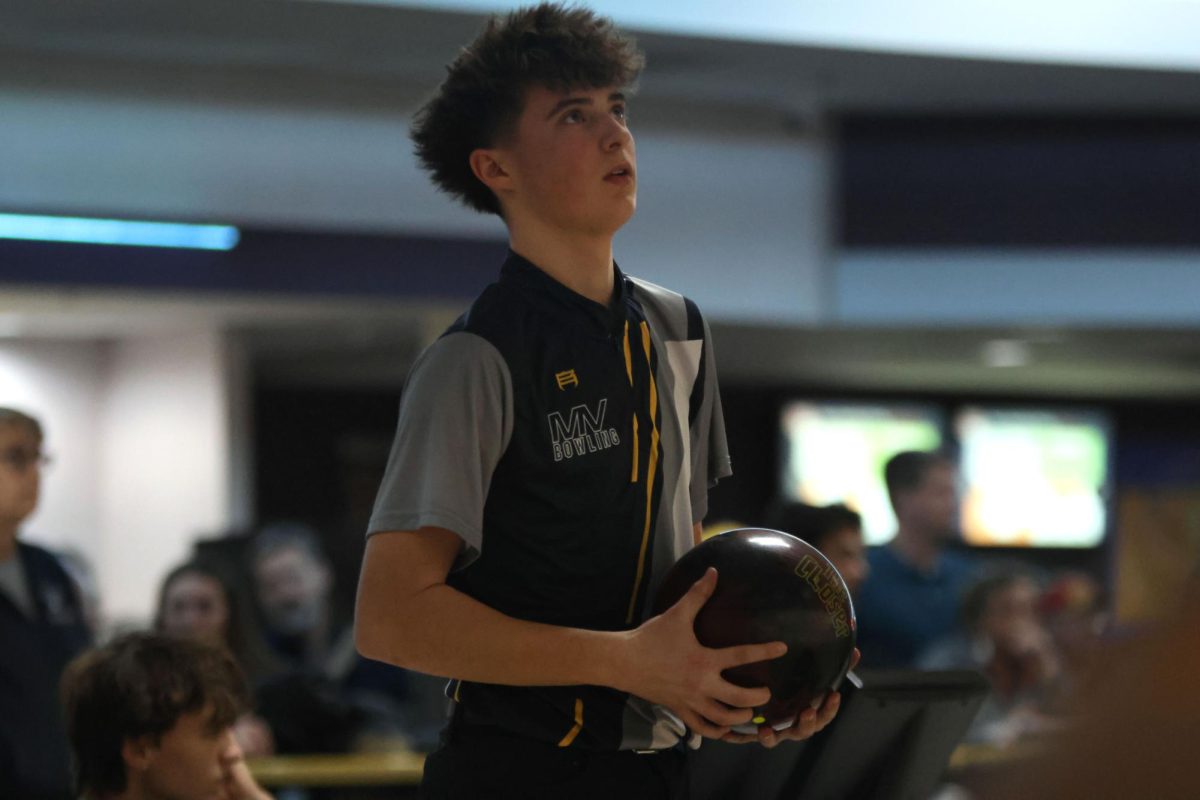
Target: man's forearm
pixel 441 631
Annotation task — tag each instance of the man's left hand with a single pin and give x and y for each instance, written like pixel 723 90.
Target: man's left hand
pixel 808 723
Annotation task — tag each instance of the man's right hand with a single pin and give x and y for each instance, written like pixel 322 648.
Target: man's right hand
pixel 665 664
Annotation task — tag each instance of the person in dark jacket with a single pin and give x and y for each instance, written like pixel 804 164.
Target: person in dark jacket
pixel 42 627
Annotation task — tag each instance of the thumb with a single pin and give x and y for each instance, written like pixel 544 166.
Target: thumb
pixel 691 603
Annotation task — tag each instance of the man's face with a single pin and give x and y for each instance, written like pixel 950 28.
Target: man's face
pixel 1010 619
pixel 292 589
pixel 845 550
pixel 933 506
pixel 191 761
pixel 571 163
pixel 20 473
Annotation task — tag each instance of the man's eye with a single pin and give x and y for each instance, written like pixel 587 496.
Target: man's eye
pixel 573 116
pixel 619 112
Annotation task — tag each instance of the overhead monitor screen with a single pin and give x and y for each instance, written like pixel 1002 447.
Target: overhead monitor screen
pixel 1033 477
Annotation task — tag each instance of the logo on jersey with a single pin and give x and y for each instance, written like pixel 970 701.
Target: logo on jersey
pixel 566 378
pixel 581 432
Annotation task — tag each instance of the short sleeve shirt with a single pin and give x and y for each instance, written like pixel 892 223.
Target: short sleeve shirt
pixel 571 445
pixel 902 610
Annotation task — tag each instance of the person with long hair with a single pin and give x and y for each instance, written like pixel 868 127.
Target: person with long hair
pixel 197 602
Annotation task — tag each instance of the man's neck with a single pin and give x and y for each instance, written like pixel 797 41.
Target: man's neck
pixel 916 549
pixel 582 264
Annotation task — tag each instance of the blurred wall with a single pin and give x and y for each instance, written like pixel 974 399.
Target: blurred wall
pixel 955 286
pixel 739 214
pixel 141 433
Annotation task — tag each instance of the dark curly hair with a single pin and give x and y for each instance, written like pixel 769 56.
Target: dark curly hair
pixel 140 685
pixel 478 104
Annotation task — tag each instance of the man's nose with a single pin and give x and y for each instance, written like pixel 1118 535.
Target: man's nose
pixel 231 751
pixel 616 135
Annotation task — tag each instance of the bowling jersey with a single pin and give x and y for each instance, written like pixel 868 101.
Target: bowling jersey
pixel 571 446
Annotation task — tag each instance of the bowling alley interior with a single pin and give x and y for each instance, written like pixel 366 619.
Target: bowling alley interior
pixel 918 227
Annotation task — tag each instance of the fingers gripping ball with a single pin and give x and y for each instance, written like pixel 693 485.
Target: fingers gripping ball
pixel 771 586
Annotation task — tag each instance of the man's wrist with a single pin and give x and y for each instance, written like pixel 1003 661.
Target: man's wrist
pixel 606 661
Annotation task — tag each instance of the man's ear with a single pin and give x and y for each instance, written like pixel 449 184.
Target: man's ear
pixel 139 753
pixel 489 167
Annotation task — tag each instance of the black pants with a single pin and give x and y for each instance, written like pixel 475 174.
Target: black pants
pixel 484 764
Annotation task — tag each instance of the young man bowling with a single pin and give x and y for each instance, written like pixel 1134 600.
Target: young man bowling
pixel 553 453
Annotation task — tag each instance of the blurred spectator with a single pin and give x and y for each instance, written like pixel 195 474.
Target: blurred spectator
pixel 196 602
pixel 911 599
pixel 1006 640
pixel 294 588
pixel 1138 726
pixel 835 530
pixel 150 716
pixel 1072 609
pixel 331 698
pixel 42 627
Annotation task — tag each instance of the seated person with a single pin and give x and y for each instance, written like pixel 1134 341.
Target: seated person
pixel 151 716
pixel 329 698
pixel 912 597
pixel 197 602
pixel 835 530
pixel 1072 609
pixel 1005 640
pixel 1138 724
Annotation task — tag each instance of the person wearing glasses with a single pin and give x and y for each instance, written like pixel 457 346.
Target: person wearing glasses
pixel 42 627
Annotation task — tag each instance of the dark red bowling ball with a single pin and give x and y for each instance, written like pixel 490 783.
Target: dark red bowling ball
pixel 771 586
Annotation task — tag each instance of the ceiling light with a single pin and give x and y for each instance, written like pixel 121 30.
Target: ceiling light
pixel 130 233
pixel 1005 353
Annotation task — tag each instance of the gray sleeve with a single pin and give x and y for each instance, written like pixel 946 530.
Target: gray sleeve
pixel 710 451
pixel 456 418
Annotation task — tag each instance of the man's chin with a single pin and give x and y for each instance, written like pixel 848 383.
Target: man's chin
pixel 620 219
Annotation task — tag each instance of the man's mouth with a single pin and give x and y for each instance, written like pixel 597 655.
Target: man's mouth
pixel 620 174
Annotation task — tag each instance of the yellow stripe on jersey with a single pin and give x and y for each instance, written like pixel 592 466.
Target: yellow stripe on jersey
pixel 571 734
pixel 633 474
pixel 650 469
pixel 628 355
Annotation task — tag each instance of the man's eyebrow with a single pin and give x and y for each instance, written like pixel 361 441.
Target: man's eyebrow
pixel 567 102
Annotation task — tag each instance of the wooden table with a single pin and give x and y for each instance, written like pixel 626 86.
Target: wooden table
pixel 392 768
pixel 973 756
pixel 402 768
